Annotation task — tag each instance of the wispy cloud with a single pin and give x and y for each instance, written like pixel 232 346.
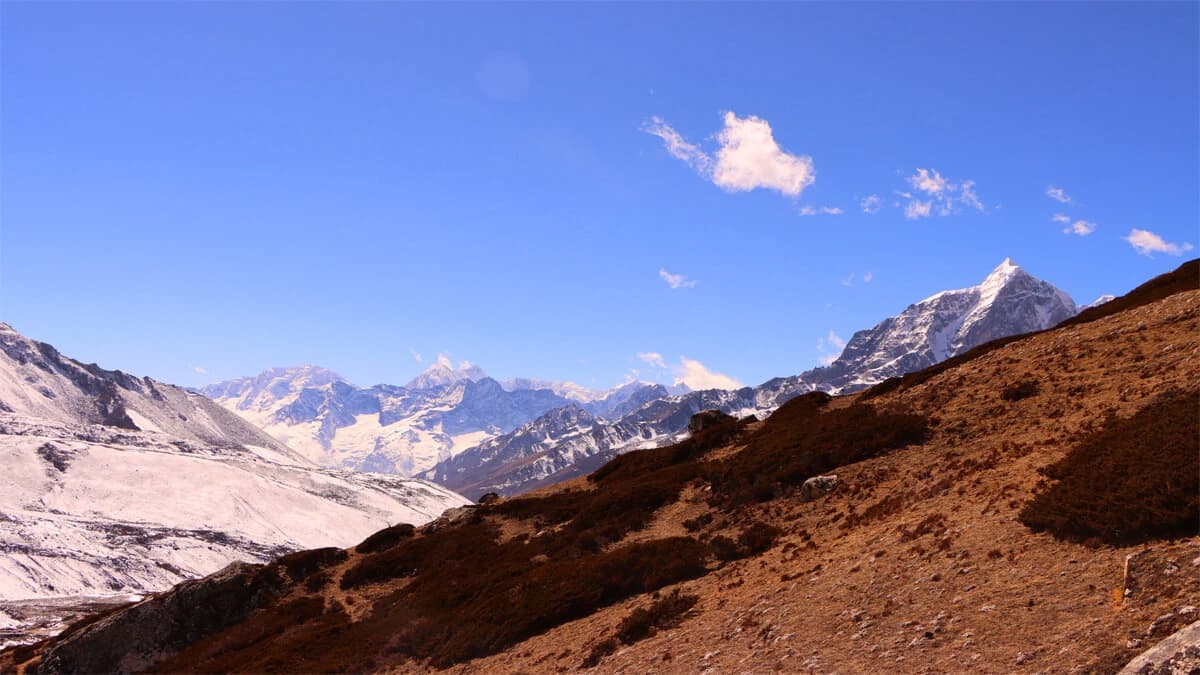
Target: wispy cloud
pixel 200 370
pixel 868 277
pixel 917 209
pixel 416 355
pixel 678 147
pixel 653 358
pixel 808 210
pixel 698 376
pixel 1058 194
pixel 1146 242
pixel 676 280
pixel 830 348
pixel 871 204
pixel 941 194
pixel 1061 218
pixel 1080 227
pixel 748 156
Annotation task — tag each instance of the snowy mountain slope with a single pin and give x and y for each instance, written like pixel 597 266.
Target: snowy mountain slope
pixel 91 509
pixel 404 430
pixel 1008 301
pixel 37 381
pixel 114 483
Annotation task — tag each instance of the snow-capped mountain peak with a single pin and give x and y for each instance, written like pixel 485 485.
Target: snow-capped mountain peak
pixel 1007 302
pixel 266 390
pixel 443 373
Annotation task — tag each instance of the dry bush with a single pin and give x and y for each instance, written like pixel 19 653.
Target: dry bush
pixel 1019 390
pixel 665 612
pixel 1132 481
pixel 303 564
pixel 386 538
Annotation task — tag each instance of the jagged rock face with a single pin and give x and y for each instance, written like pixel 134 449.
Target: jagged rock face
pixel 1008 302
pixel 38 382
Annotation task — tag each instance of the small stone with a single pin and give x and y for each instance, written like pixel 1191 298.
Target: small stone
pixel 1023 658
pixel 1164 621
pixel 1186 611
pixel 1133 643
pixel 988 608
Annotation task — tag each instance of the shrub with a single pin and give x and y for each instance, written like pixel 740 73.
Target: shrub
pixel 599 651
pixel 698 523
pixel 386 538
pixel 752 541
pixel 1019 390
pixel 666 612
pixel 302 564
pixel 1131 481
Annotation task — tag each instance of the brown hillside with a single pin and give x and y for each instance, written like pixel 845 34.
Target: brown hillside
pixel 704 555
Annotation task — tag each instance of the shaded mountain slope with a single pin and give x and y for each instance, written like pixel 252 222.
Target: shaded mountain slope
pixel 915 562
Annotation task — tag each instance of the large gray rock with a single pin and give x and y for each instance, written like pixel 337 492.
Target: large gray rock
pixel 1178 654
pixel 136 638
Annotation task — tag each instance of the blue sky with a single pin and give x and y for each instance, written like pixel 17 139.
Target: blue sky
pixel 231 186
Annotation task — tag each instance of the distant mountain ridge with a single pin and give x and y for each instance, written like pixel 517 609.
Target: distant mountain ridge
pixel 405 429
pixel 1009 301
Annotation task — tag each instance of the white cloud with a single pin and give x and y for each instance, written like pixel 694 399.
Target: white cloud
pixel 868 277
pixel 416 355
pixel 200 370
pixel 676 280
pixel 1061 218
pixel 653 358
pixel 917 209
pixel 444 361
pixel 871 204
pixel 848 281
pixel 1058 194
pixel 930 182
pixel 967 195
pixel 748 157
pixel 807 210
pixel 1146 242
pixel 697 376
pixel 940 192
pixel 1081 227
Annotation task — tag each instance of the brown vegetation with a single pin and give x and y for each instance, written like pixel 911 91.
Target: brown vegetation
pixel 1131 481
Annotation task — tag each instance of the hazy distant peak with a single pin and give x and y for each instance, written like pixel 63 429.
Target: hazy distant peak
pixel 443 373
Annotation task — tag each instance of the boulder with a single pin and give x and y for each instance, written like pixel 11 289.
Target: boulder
pixel 817 486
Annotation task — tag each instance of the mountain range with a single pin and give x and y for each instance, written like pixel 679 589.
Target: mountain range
pixel 1028 505
pixel 407 429
pixel 560 445
pixel 455 426
pixel 120 484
